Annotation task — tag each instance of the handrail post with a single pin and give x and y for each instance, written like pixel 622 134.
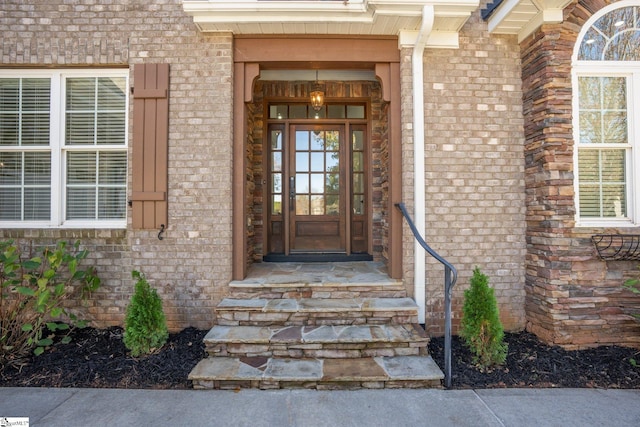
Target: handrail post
pixel 447 326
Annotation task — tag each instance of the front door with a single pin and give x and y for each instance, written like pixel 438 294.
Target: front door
pixel 316 179
pixel 318 194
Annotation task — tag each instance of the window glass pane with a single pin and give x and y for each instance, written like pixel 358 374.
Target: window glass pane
pixel 358 164
pixel 613 37
pixel 81 203
pixel 355 111
pixel 589 201
pixel 10 168
pixel 602 183
pixel 37 204
pixel 111 128
pixel 298 111
pixel 10 204
pixel 278 112
pixel 588 165
pixel 24 111
pixel 37 169
pixel 95 111
pixel 81 168
pixel 112 168
pixel 332 140
pixel 603 110
pixel 335 111
pixel 111 203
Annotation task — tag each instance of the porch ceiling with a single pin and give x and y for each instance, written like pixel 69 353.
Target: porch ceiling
pixel 522 17
pixel 329 17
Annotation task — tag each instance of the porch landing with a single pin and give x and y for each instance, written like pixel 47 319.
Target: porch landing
pixel 289 274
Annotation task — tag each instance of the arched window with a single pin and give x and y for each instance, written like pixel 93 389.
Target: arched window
pixel 606 81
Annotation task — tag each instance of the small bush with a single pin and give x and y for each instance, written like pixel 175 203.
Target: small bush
pixel 145 326
pixel 33 291
pixel 482 330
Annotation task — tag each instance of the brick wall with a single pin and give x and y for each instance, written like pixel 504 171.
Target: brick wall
pixel 573 298
pixel 192 265
pixel 474 169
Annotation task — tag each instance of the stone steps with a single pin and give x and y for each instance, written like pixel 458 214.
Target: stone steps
pixel 354 341
pixel 316 311
pixel 316 325
pixel 322 374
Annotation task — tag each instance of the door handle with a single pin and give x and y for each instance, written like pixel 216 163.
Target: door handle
pixel 292 192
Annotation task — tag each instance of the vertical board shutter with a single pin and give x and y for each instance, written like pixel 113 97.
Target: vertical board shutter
pixel 150 145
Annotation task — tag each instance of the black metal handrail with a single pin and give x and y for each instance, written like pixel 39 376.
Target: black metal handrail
pixel 450 278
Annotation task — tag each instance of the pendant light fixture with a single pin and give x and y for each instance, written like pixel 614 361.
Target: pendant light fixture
pixel 317 95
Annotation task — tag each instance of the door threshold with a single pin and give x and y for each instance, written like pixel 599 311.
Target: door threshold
pixel 317 257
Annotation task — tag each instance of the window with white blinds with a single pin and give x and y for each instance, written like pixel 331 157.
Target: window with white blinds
pixel 606 114
pixel 63 148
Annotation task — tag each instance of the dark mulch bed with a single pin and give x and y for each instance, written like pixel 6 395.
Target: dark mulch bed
pixel 98 358
pixel 530 363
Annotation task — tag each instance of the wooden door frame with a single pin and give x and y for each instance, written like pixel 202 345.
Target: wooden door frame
pixel 251 54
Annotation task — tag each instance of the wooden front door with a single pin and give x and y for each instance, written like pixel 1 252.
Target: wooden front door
pixel 318 200
pixel 316 182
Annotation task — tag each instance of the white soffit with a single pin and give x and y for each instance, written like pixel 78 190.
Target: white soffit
pixel 523 17
pixel 326 17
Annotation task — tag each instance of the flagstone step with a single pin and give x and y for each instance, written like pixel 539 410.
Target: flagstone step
pixel 316 373
pixel 316 311
pixel 318 280
pixel 352 341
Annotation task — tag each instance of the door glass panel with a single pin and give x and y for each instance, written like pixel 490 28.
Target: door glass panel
pixel 302 162
pixel 358 185
pixel 358 204
pixel 302 205
pixel 317 204
pixel 317 162
pixel 357 162
pixel 333 183
pixel 357 140
pixel 276 161
pixel 333 204
pixel 317 141
pixel 276 140
pixel 317 183
pixel 276 205
pixel 333 162
pixel 302 140
pixel 277 183
pixel 302 183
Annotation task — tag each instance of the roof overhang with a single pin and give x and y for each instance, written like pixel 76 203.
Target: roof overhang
pixel 331 17
pixel 523 17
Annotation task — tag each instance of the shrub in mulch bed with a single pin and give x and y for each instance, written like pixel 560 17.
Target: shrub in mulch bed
pixel 531 363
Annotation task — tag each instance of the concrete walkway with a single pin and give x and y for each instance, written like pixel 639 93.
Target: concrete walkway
pixel 504 407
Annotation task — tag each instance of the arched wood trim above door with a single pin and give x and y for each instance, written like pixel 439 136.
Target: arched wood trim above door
pixel 253 54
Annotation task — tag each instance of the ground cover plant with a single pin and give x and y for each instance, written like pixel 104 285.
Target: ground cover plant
pixel 33 292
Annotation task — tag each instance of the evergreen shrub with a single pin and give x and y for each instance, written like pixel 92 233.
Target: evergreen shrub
pixel 145 325
pixel 481 328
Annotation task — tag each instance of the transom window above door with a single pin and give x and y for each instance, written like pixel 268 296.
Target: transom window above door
pixel 305 111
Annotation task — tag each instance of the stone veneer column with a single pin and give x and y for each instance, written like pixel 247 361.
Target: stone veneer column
pixel 572 298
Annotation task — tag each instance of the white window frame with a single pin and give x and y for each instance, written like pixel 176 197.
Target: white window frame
pixel 58 148
pixel 630 70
